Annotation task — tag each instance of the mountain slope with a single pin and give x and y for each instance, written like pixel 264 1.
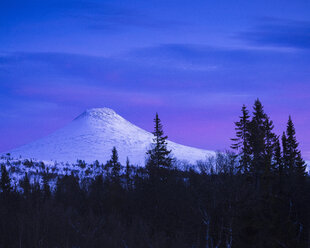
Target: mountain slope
pixel 92 136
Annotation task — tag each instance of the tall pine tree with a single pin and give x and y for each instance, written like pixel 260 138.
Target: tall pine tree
pixel 294 161
pixel 257 139
pixel 242 141
pixel 115 165
pixel 159 155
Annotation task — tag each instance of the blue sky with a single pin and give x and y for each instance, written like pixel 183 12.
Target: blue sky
pixel 195 63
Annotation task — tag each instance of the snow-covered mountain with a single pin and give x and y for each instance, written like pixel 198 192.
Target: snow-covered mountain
pixel 92 135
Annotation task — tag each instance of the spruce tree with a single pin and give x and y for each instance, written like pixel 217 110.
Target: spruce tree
pixel 115 165
pixel 159 155
pixel 242 141
pixel 257 139
pixel 296 164
pixel 5 181
pixel 262 141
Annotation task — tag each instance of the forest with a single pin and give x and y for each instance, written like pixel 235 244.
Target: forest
pixel 257 194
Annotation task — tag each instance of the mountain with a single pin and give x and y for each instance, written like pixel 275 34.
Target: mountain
pixel 92 135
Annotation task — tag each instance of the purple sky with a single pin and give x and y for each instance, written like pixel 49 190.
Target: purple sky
pixel 195 62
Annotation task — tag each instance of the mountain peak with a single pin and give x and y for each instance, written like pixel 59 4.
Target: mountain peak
pixel 98 113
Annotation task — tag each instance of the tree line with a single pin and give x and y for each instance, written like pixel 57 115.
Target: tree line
pixel 256 196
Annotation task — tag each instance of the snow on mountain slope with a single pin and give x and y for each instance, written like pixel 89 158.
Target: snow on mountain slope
pixel 92 135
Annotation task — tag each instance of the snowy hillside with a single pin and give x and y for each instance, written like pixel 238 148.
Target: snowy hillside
pixel 92 135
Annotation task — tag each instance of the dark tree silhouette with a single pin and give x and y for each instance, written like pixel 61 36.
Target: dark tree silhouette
pixel 159 155
pixel 294 161
pixel 257 140
pixel 115 165
pixel 242 141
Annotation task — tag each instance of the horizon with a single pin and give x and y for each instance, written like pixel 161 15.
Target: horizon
pixel 150 131
pixel 195 64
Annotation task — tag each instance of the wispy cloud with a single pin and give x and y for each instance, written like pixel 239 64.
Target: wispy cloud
pixel 89 95
pixel 115 17
pixel 167 67
pixel 279 33
pixel 214 56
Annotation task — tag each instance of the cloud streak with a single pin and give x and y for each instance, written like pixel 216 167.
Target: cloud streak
pixel 279 33
pixel 167 67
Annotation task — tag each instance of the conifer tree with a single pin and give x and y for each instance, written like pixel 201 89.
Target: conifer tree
pixel 159 155
pixel 258 137
pixel 296 164
pixel 242 141
pixel 5 181
pixel 262 141
pixel 115 165
pixel 257 142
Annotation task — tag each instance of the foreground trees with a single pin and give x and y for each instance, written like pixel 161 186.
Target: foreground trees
pixel 258 197
pixel 258 147
pixel 275 178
